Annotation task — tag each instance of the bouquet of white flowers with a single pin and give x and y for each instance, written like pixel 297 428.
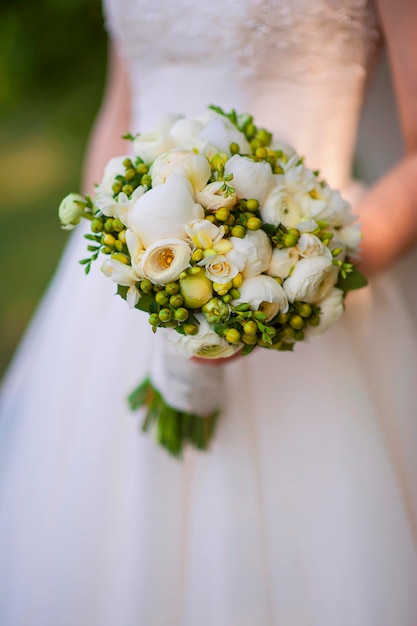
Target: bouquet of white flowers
pixel 225 239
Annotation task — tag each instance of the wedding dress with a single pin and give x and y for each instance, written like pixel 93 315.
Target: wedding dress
pixel 303 512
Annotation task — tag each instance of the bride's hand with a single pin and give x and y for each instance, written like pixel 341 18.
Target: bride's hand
pixel 389 211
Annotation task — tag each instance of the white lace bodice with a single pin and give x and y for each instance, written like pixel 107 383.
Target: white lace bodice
pixel 298 66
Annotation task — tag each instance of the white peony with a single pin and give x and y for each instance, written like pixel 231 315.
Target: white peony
pixel 119 207
pixel 220 132
pixel 256 247
pixel 165 211
pixel 282 262
pixel 211 198
pixel 251 179
pixel 157 141
pixel 205 344
pixel 332 307
pixel 193 167
pixel 311 279
pixel 263 292
pixel 309 245
pixel 164 260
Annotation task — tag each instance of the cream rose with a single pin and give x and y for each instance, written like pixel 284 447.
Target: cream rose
pixel 165 211
pixel 223 267
pixel 263 292
pixel 282 262
pixel 251 180
pixel 164 260
pixel 311 279
pixel 211 198
pixel 257 249
pixel 205 344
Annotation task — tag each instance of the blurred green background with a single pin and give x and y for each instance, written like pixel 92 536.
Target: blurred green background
pixel 52 68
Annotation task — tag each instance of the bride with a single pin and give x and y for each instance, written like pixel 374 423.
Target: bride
pixel 304 511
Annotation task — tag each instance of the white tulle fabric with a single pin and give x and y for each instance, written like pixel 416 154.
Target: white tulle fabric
pixel 304 511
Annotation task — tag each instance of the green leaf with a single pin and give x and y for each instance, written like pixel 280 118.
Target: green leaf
pixel 145 302
pixel 286 347
pixel 248 349
pixel 352 280
pixel 122 291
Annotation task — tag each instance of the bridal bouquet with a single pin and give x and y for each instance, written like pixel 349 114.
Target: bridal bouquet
pixel 228 242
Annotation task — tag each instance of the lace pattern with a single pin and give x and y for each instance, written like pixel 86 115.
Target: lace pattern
pixel 269 38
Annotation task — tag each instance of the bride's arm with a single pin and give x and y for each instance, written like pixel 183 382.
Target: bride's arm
pixel 112 122
pixel 389 211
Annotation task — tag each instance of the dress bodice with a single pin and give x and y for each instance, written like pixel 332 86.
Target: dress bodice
pixel 299 67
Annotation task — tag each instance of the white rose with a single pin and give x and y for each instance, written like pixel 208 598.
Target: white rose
pixel 211 198
pixel 113 168
pixel 311 279
pixel 164 260
pixel 220 132
pixel 157 141
pixel 70 210
pixel 205 344
pixel 165 211
pixel 309 245
pixel 257 249
pixel 281 207
pixel 331 309
pixel 263 292
pixel 282 262
pixel 251 180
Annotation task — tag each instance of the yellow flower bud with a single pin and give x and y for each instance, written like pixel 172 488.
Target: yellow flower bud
pixel 197 255
pixel 237 281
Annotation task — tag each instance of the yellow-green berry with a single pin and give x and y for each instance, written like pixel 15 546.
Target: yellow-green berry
pixel 254 223
pixel 250 327
pixel 222 214
pixel 232 335
pixel 238 231
pixel 176 300
pixel 164 315
pixel 250 340
pixel 181 314
pixel 162 298
pixel 190 329
pixel 305 310
pixel 172 288
pixel 297 322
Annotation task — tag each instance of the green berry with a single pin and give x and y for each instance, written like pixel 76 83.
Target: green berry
pixel 314 320
pixel 252 204
pixel 297 322
pixel 146 286
pixel 250 328
pixel 250 340
pixel 162 298
pixel 181 314
pixel 164 315
pixel 238 231
pixel 254 223
pixel 153 319
pixel 172 288
pixel 305 310
pixel 176 300
pixel 97 225
pixel 190 329
pixel 222 214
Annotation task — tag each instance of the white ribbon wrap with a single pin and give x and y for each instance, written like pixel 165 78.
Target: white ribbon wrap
pixel 185 384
